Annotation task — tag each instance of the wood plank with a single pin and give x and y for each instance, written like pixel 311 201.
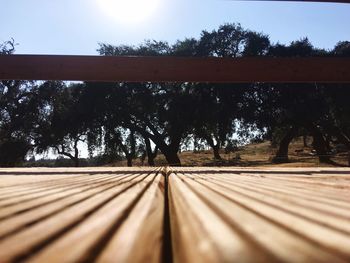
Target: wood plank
pixel 93 231
pixel 337 199
pixel 338 240
pixel 208 215
pixel 145 242
pixel 200 235
pixel 273 237
pixel 176 69
pixel 38 235
pixel 22 193
pixel 313 204
pixel 17 218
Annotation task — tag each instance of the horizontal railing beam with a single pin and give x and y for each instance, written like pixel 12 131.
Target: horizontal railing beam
pixel 174 69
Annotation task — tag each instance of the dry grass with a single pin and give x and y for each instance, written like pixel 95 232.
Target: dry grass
pixel 253 155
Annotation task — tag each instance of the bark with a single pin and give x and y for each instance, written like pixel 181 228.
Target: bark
pixel 282 153
pixel 215 147
pixel 172 158
pixel 343 138
pixel 76 153
pixel 328 139
pixel 74 158
pixel 150 161
pixel 132 144
pixel 320 145
pixel 129 159
pixel 170 151
pixel 151 155
pixel 129 155
pixel 76 162
pixel 305 141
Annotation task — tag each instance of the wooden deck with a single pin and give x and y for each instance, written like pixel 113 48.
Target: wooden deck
pixel 177 215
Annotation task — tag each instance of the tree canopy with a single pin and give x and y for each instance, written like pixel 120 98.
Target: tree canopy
pixel 138 120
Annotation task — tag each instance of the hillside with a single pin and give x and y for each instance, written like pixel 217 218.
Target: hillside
pixel 256 154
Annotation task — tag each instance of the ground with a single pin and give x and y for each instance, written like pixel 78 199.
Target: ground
pixel 252 155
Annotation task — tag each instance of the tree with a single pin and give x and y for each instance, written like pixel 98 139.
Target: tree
pixel 219 106
pixel 151 154
pixel 157 111
pixel 62 124
pixel 133 119
pixel 228 41
pixel 120 140
pixel 19 108
pixel 292 107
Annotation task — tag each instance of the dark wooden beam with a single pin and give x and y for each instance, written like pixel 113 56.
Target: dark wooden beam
pixel 177 69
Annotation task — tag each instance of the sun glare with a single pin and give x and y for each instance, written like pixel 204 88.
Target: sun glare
pixel 129 11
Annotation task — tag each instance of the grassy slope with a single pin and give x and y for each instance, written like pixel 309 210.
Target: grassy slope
pixel 259 154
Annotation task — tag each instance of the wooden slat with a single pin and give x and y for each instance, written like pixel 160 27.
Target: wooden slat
pixel 271 239
pixel 94 231
pixel 315 211
pixel 22 217
pixel 199 233
pixel 184 215
pixel 145 242
pixel 21 194
pixel 33 203
pixel 38 235
pixel 295 223
pixel 176 69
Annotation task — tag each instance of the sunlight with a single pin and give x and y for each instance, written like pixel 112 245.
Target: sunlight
pixel 129 11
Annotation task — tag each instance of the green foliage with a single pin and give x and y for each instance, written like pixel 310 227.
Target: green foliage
pixel 124 120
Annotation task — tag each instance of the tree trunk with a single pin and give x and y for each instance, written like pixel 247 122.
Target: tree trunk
pixel 128 156
pixel 282 153
pixel 150 161
pixel 76 153
pixel 305 141
pixel 76 162
pixel 74 158
pixel 215 147
pixel 172 158
pixel 129 159
pixel 343 138
pixel 216 152
pixel 320 145
pixel 150 154
pixel 169 151
pixel 328 139
pixel 132 144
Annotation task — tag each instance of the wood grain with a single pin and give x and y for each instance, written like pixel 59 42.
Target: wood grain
pixel 175 69
pixel 179 214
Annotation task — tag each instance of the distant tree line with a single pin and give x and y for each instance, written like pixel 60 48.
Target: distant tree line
pixel 141 119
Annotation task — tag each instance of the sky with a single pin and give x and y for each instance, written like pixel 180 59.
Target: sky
pixel 77 26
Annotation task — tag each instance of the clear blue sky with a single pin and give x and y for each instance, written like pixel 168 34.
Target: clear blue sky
pixel 76 26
